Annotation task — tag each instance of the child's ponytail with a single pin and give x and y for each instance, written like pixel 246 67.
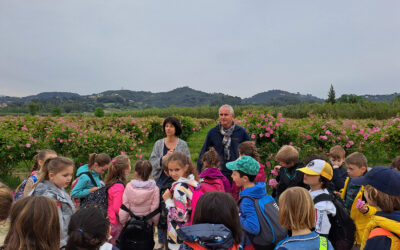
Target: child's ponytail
pixel 211 158
pixel 116 172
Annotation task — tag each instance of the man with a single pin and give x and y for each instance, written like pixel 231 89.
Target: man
pixel 225 139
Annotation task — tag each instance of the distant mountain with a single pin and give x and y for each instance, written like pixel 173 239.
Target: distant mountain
pixel 280 97
pixel 380 98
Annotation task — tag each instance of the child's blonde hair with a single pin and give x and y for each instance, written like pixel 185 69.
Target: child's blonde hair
pixel 54 165
pixel 211 158
pixel 288 154
pixel 357 159
pixel 143 169
pixel 296 209
pixel 337 152
pixel 117 170
pixel 184 160
pixel 34 224
pixel 248 148
pixel 6 200
pixel 388 203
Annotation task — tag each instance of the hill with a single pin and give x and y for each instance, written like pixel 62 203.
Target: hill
pixel 280 98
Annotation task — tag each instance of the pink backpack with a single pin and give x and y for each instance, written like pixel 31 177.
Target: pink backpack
pixel 206 185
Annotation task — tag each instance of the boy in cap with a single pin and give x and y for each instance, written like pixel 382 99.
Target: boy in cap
pixel 382 191
pixel 318 174
pixel 244 172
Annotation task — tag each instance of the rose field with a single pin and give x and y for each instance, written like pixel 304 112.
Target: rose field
pixel 76 137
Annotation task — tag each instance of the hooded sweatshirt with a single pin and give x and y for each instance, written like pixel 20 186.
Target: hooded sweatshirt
pixel 248 215
pixel 211 236
pixel 65 205
pixel 215 173
pixel 388 221
pixel 142 198
pixel 84 183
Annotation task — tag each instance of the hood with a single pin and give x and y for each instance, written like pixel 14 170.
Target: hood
pixel 258 191
pixel 211 236
pixel 212 173
pixel 46 188
pixel 190 181
pixel 141 190
pixel 82 169
pixel 390 221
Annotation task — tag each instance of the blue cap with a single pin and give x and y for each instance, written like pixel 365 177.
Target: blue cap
pixel 384 179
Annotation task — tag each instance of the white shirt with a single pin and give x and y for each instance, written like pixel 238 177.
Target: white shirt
pixel 323 208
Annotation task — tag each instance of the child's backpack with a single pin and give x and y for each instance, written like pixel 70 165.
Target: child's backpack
pixel 137 233
pixel 271 231
pixel 77 201
pixel 208 184
pixel 380 231
pixel 20 189
pixel 343 230
pixel 98 198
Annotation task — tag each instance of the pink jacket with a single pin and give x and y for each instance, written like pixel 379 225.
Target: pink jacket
pixel 141 197
pixel 115 193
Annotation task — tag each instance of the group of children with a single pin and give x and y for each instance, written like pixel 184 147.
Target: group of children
pixel 204 211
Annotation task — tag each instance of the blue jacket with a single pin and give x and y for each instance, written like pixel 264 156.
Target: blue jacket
pixel 210 236
pixel 309 241
pixel 391 222
pixel 247 210
pixel 84 183
pixel 214 139
pixel 338 179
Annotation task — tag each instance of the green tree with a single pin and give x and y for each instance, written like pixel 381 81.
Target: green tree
pixel 56 112
pixel 33 108
pixel 331 95
pixel 99 112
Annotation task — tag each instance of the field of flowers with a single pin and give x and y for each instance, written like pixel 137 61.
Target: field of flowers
pixel 378 140
pixel 76 137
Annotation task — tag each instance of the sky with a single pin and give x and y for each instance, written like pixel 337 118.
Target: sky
pixel 238 48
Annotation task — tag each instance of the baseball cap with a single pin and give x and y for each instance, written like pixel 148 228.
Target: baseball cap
pixel 384 179
pixel 246 164
pixel 318 167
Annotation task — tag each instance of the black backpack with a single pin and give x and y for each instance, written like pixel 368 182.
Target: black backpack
pixel 342 232
pixel 98 198
pixel 137 233
pixel 271 231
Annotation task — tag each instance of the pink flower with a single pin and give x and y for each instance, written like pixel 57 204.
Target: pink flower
pixel 140 156
pixel 273 139
pixel 267 134
pixel 319 149
pixel 273 183
pixel 28 145
pixel 382 139
pixel 324 137
pixel 268 164
pixel 323 127
pixel 122 153
pixel 311 123
pixel 261 135
pixel 8 147
pixel 328 132
pixel 274 172
pixel 262 116
pixel 338 138
pixel 308 137
pixel 253 136
pixel 281 120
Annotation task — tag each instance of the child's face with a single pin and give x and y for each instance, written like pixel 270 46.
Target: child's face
pixel 313 181
pixel 128 170
pixel 48 156
pixel 369 201
pixel 176 170
pixel 239 181
pixel 62 178
pixel 100 169
pixel 355 171
pixel 336 161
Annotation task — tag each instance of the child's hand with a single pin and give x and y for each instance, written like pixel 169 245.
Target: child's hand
pixel 91 190
pixel 360 205
pixel 167 195
pixel 337 193
pixel 336 164
pixel 277 168
pixel 168 154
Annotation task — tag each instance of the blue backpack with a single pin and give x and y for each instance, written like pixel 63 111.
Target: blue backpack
pixel 20 189
pixel 271 231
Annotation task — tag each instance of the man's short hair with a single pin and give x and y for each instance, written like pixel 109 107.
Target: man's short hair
pixel 227 106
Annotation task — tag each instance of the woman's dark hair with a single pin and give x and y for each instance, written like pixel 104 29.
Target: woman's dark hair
pixel 219 208
pixel 87 230
pixel 100 159
pixel 175 122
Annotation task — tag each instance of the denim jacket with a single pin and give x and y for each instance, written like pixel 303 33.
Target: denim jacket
pixel 311 241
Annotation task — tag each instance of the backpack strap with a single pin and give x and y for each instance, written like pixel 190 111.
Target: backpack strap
pixel 379 231
pixel 90 176
pixel 145 218
pixel 322 197
pixel 152 214
pixel 123 207
pixel 245 196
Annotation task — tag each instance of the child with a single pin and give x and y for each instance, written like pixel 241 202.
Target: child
pixel 288 158
pixel 352 194
pixel 89 173
pixel 178 199
pixel 244 172
pixel 89 229
pixel 34 224
pixel 317 174
pixel 56 175
pixel 6 201
pixel 115 182
pixel 337 156
pixel 396 163
pixel 141 195
pixel 211 170
pixel 248 148
pixel 382 191
pixel 296 213
pixel 216 218
pixel 24 189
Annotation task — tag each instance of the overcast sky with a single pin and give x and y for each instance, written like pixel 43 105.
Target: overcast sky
pixel 238 48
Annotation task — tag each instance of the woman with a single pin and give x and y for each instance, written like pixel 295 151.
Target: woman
pixel 162 149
